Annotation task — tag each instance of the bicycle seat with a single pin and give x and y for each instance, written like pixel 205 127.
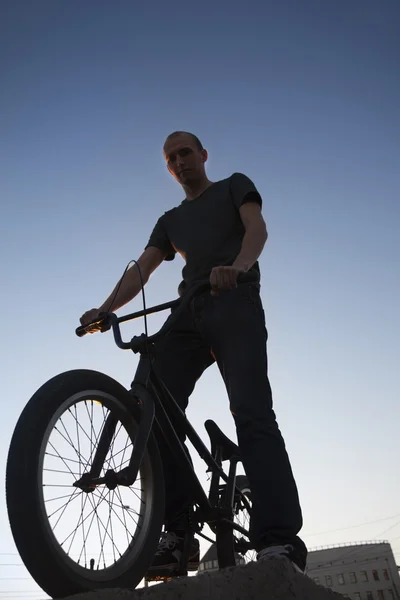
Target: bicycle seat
pixel 218 438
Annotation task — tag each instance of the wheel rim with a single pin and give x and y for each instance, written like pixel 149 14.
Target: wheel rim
pixel 242 518
pixel 97 534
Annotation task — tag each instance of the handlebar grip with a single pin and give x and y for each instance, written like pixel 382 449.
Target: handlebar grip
pixel 80 331
pixel 104 318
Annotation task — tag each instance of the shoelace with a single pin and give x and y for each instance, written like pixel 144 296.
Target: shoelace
pixel 168 541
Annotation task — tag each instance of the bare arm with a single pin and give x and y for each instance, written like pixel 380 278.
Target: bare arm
pixel 254 238
pixel 130 286
pixel 225 278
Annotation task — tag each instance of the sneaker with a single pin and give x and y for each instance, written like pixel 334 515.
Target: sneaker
pixel 286 552
pixel 167 558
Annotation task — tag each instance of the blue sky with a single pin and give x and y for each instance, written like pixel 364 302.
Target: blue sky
pixel 303 98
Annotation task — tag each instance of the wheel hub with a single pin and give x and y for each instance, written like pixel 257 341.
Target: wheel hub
pixel 87 483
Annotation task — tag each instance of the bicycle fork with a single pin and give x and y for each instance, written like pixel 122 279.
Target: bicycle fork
pixel 126 476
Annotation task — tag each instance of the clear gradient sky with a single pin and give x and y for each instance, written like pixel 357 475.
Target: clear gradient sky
pixel 304 98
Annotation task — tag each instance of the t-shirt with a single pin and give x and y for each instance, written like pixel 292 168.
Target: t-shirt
pixel 206 231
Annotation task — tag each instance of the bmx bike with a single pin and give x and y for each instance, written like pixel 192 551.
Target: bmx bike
pixel 84 481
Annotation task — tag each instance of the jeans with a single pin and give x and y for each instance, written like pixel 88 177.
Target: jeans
pixel 230 329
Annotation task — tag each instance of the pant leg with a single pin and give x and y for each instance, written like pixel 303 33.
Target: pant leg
pixel 234 323
pixel 181 358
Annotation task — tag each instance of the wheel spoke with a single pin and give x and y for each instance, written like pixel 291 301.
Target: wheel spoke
pixel 123 514
pixel 126 507
pixel 124 510
pixel 59 471
pixel 64 507
pixel 94 444
pixel 74 530
pixel 62 459
pixel 242 519
pixel 58 498
pixel 111 527
pixel 102 525
pixel 83 504
pixel 134 492
pixel 81 428
pixel 129 535
pixel 83 533
pixel 69 441
pixel 78 440
pixel 100 522
pixel 93 513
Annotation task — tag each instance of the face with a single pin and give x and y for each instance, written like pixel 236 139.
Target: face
pixel 184 160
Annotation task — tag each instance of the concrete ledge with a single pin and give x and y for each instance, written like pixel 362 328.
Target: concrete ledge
pixel 266 580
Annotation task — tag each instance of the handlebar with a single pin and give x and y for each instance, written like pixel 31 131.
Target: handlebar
pixel 181 303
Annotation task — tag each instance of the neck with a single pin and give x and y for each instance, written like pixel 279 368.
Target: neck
pixel 195 188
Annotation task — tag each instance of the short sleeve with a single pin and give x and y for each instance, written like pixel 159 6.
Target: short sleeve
pixel 243 190
pixel 159 239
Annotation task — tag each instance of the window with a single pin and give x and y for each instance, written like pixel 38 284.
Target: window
pixel 381 595
pixel 375 575
pixel 370 596
pixel 316 580
pixel 386 574
pixel 353 578
pixel 340 579
pixel 357 596
pixel 328 580
pixel 390 594
pixel 363 576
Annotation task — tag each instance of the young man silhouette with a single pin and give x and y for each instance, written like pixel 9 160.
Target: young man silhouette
pixel 219 231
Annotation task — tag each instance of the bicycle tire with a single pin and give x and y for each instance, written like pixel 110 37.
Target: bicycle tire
pixel 225 534
pixel 41 553
pixel 243 484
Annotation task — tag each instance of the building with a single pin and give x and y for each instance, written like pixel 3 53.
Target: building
pixel 360 571
pixel 209 562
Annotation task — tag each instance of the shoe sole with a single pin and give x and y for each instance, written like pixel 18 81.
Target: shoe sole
pixel 166 570
pixel 282 557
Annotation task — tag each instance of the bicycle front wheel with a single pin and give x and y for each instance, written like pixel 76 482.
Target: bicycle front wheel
pixel 71 539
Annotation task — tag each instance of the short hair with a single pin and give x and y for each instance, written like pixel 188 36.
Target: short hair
pixel 195 138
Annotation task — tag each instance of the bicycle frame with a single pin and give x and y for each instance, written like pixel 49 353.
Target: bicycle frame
pixel 155 405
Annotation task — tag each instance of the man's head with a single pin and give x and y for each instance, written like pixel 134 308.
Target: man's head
pixel 185 157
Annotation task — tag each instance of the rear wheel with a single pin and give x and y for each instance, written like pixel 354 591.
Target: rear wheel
pixel 72 539
pixel 242 514
pixel 234 547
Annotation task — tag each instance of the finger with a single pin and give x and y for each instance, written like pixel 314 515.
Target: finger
pixel 234 278
pixel 220 279
pixel 214 281
pixel 226 278
pixel 105 325
pixel 88 316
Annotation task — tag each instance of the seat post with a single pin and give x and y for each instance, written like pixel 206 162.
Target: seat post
pixel 215 477
pixel 227 502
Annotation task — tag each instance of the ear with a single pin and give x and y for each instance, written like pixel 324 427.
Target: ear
pixel 204 155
